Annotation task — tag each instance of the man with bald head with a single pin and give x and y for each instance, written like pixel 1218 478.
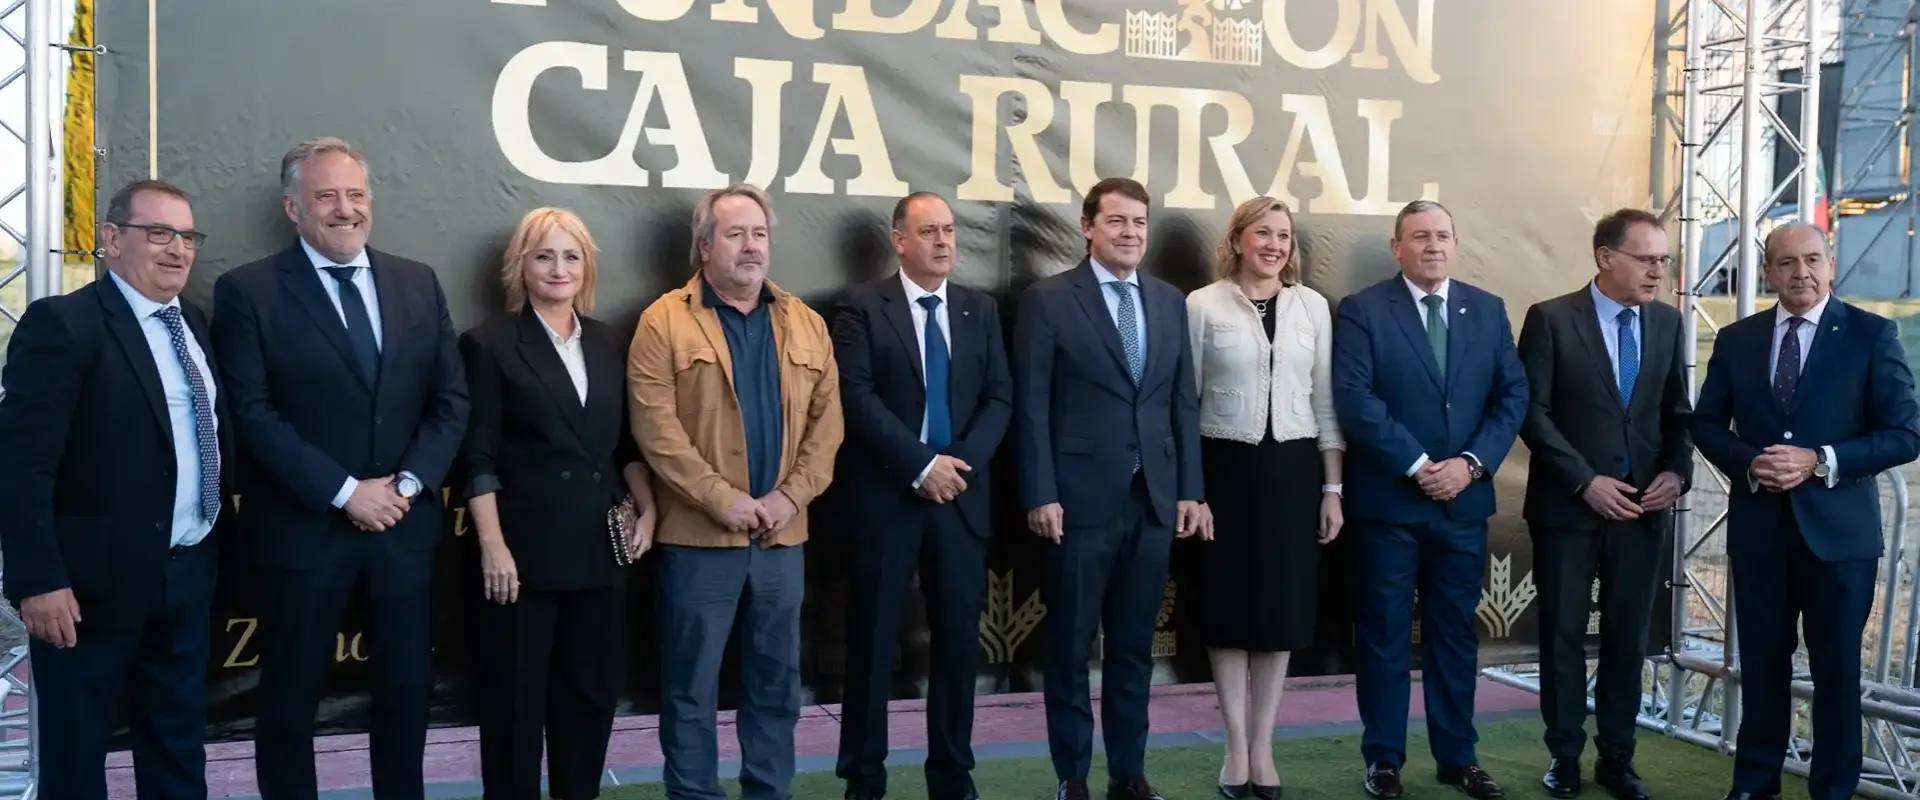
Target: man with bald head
pixel 1802 443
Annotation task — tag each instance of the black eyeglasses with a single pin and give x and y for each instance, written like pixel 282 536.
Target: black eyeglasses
pixel 162 235
pixel 1660 260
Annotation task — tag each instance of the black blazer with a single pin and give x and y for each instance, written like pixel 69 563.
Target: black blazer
pixel 1080 419
pixel 306 418
pixel 884 396
pixel 552 464
pixel 86 455
pixel 1576 424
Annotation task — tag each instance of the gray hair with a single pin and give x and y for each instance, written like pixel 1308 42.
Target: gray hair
pixel 295 159
pixel 703 221
pixel 1419 207
pixel 1766 245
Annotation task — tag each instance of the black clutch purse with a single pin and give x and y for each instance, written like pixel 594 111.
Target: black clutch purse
pixel 620 524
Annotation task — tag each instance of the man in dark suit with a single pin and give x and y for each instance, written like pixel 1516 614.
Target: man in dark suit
pixel 110 462
pixel 1430 395
pixel 1801 444
pixel 350 399
pixel 926 396
pixel 1607 430
pixel 1108 437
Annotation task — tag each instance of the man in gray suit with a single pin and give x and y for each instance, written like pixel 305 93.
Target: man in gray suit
pixel 1611 455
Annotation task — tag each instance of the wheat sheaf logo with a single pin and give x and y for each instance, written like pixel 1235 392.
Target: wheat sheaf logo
pixel 1196 33
pixel 1002 626
pixel 1504 600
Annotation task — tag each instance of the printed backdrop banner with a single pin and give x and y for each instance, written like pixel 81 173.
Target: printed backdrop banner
pixel 1528 119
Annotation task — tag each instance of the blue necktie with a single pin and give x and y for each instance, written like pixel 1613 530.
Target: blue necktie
pixel 1629 364
pixel 203 430
pixel 936 360
pixel 1129 330
pixel 1786 370
pixel 359 326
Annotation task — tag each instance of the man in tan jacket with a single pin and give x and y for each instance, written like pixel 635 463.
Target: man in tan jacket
pixel 736 405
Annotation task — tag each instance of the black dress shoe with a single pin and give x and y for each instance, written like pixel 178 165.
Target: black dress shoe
pixel 1620 779
pixel 1131 789
pixel 1474 781
pixel 1073 790
pixel 1752 796
pixel 1269 792
pixel 1383 781
pixel 1562 779
pixel 864 794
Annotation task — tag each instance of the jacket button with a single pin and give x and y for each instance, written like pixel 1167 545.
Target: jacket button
pixel 379 420
pixel 596 476
pixel 566 475
pixel 1788 434
pixel 736 451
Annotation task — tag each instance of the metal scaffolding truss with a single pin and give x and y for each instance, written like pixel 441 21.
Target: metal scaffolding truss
pixel 1875 180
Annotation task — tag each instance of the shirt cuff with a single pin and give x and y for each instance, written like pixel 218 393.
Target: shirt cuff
pixel 1833 466
pixel 1753 483
pixel 1417 464
pixel 925 472
pixel 346 491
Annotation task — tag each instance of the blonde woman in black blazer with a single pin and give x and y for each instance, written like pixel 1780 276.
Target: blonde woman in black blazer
pixel 549 455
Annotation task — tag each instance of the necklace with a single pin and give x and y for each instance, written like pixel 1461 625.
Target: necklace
pixel 1265 307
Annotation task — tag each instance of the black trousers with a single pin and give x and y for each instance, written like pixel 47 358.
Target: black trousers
pixel 952 565
pixel 301 613
pixel 1108 575
pixel 1776 584
pixel 550 663
pixel 1625 556
pixel 158 667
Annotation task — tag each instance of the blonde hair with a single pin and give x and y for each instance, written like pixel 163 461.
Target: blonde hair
pixel 1227 254
pixel 532 231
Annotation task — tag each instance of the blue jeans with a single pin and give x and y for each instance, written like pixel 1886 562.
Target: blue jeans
pixel 700 591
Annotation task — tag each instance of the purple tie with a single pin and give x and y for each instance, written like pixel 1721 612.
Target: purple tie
pixel 1786 373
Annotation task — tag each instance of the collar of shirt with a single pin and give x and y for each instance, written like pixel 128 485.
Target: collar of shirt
pixel 1608 308
pixel 914 292
pixel 1780 313
pixel 143 306
pixel 1418 293
pixel 712 298
pixel 1106 276
pixel 322 262
pixel 557 341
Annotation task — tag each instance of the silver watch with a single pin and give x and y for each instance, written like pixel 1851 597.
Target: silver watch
pixel 407 487
pixel 1333 489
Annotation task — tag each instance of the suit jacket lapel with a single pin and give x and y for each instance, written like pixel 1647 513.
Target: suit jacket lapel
pixel 536 348
pixel 1088 291
pixel 961 322
pixel 900 317
pixel 1655 337
pixel 1408 315
pixel 1460 325
pixel 302 282
pixel 133 344
pixel 606 383
pixel 1587 328
pixel 1826 348
pixel 393 307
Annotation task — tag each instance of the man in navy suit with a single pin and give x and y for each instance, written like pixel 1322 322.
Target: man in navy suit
pixel 1431 394
pixel 927 397
pixel 110 462
pixel 1108 438
pixel 1801 444
pixel 350 400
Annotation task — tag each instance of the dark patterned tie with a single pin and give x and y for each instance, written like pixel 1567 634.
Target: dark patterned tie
pixel 366 351
pixel 203 430
pixel 1786 373
pixel 937 363
pixel 1129 340
pixel 1437 329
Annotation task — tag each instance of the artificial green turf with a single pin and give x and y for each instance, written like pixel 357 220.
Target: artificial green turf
pixel 1324 767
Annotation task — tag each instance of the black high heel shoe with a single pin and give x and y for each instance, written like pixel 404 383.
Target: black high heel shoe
pixel 1268 792
pixel 1232 791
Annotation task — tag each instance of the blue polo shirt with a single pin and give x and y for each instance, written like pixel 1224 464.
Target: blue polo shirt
pixel 756 382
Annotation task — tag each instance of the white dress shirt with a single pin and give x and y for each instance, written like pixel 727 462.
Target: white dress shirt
pixel 1112 297
pixel 1421 307
pixel 362 280
pixel 1608 311
pixel 572 355
pixel 188 527
pixel 1805 334
pixel 914 293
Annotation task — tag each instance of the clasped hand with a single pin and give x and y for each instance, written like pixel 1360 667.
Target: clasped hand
pixel 376 504
pixel 761 516
pixel 944 481
pixel 1444 480
pixel 1781 467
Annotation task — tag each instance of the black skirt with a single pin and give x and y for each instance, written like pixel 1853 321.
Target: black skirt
pixel 1261 583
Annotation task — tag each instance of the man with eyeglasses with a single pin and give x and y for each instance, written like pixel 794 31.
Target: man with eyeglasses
pixel 1606 427
pixel 927 396
pixel 111 449
pixel 350 398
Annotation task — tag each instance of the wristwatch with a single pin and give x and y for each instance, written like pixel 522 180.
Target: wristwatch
pixel 1333 489
pixel 1821 469
pixel 406 486
pixel 1474 470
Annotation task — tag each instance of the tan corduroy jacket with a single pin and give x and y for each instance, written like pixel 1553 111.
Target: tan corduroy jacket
pixel 686 416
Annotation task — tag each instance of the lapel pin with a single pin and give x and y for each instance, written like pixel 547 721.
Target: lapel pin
pixel 1463 310
pixel 1834 328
